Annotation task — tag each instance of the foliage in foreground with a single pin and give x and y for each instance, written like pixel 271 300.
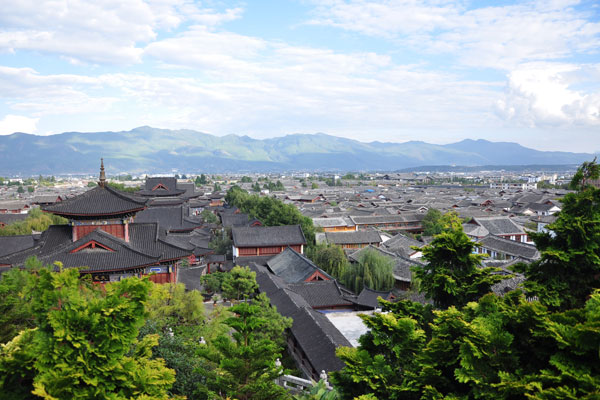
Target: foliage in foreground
pixel 84 344
pixel 569 268
pixel 242 366
pixel 505 348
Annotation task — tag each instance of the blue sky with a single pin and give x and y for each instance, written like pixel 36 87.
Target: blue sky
pixel 433 70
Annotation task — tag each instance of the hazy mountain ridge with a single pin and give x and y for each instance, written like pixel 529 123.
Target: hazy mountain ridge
pixel 151 150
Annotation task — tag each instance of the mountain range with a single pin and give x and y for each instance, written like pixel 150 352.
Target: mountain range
pixel 152 150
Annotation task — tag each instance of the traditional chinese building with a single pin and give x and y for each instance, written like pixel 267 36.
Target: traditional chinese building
pixel 267 240
pixel 102 239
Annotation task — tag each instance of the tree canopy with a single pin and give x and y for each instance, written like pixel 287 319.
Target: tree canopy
pixel 85 342
pixel 242 365
pixel 270 211
pixel 568 270
pixel 453 274
pixel 374 270
pixel 36 220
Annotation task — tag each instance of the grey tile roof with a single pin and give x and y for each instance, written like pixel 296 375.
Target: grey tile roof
pixel 368 297
pixel 293 267
pixel 401 245
pixel 169 184
pixel 314 333
pixel 321 294
pixel 267 236
pixel 13 244
pixel 332 222
pixel 385 219
pixel 354 237
pixel 145 247
pixel 230 220
pixel 509 247
pixel 498 225
pixel 12 218
pixel 99 201
pixel 170 218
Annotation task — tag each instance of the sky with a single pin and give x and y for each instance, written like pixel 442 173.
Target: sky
pixel 438 71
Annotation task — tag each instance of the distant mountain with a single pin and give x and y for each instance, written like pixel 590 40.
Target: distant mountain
pixel 152 150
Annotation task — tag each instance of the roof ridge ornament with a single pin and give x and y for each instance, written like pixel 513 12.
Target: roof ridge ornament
pixel 102 181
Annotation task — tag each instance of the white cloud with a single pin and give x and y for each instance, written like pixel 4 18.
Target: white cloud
pixel 23 89
pixel 551 95
pixel 100 31
pixel 17 123
pixel 495 37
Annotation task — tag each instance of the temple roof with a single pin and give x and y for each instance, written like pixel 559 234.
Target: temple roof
pixel 161 186
pixel 146 246
pixel 99 201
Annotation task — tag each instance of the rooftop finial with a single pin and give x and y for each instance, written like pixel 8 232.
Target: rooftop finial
pixel 102 180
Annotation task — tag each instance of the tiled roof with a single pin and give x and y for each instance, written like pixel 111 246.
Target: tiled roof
pixel 368 297
pixel 354 237
pixel 161 186
pixel 401 245
pixel 388 219
pixel 510 247
pixel 498 225
pixel 293 267
pixel 13 244
pixel 169 218
pixel 99 201
pixel 321 294
pixel 12 218
pixel 315 334
pixel 145 247
pixel 267 236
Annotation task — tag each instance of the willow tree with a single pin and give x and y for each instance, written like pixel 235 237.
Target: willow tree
pixel 374 271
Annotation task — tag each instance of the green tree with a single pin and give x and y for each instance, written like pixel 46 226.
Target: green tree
pixel 36 220
pixel 319 391
pixel 15 311
pixel 242 365
pixel 92 184
pixel 201 180
pixel 178 318
pixel 506 348
pixel 209 217
pixel 212 282
pixel 276 326
pixel 246 179
pixel 432 222
pixel 569 268
pixel 587 171
pixel 270 211
pixel 169 305
pixel 123 188
pixel 20 189
pixel 330 258
pixel 453 274
pixel 84 344
pixel 30 189
pixel 374 270
pixel 216 187
pixel 314 185
pixel 222 244
pixel 239 283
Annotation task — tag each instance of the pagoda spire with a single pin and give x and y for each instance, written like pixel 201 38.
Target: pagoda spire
pixel 102 181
